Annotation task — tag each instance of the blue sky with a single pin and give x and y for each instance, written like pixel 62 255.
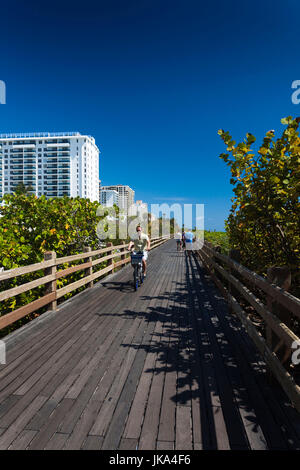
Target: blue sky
pixel 153 81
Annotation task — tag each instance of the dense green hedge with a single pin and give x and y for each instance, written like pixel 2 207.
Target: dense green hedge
pixel 218 238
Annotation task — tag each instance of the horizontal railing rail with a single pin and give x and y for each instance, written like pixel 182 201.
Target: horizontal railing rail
pixel 51 275
pixel 273 304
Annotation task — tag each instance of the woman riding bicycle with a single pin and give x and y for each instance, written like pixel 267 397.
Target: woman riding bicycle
pixel 141 243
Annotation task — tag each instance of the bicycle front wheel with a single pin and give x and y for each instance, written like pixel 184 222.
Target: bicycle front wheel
pixel 135 279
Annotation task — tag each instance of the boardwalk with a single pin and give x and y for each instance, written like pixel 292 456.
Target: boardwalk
pixel 163 368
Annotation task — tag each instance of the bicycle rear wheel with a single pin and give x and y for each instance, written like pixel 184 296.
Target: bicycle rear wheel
pixel 141 275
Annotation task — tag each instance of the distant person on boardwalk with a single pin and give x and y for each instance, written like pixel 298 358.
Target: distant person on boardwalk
pixel 141 243
pixel 189 238
pixel 183 240
pixel 177 237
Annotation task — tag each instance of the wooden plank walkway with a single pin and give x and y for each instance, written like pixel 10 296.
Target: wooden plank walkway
pixel 163 368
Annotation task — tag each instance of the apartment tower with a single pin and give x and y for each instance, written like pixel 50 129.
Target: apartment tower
pixel 53 164
pixel 125 196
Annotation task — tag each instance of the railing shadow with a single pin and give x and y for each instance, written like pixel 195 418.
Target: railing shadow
pixel 194 347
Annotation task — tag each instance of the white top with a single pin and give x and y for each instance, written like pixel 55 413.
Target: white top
pixel 140 242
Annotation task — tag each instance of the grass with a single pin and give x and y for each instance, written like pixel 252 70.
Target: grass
pixel 216 238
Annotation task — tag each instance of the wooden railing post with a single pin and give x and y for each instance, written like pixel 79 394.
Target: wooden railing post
pixel 217 249
pixel 88 271
pixel 123 256
pixel 209 256
pixel 50 287
pixel 110 261
pixel 281 276
pixel 235 255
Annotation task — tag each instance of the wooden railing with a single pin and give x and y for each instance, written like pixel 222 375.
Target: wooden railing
pixel 273 304
pixel 51 274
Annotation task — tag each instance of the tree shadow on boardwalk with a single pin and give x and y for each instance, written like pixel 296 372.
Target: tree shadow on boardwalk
pixel 219 374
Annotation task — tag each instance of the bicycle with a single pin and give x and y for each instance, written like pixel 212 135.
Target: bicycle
pixel 136 261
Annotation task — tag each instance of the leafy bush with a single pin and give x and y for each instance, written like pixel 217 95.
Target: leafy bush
pixel 264 219
pixel 29 226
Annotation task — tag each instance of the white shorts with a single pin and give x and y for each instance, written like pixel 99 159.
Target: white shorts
pixel 145 255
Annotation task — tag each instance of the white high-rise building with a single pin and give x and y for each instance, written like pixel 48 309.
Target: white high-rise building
pixel 109 197
pixel 126 196
pixel 53 164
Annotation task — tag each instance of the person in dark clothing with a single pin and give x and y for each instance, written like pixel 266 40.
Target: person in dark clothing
pixel 183 240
